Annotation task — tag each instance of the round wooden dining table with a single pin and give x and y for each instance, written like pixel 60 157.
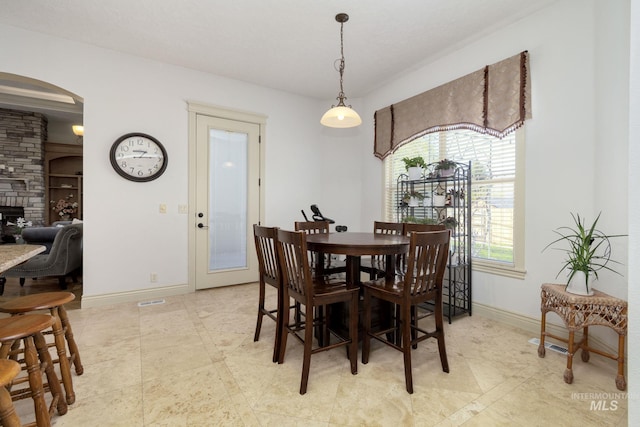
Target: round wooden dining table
pixel 356 245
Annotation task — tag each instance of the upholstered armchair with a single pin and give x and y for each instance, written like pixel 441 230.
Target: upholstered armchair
pixel 43 235
pixel 64 258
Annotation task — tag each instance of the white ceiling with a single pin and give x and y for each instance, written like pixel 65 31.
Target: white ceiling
pixel 289 45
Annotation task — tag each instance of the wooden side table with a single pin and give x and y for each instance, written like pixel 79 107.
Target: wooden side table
pixel 580 312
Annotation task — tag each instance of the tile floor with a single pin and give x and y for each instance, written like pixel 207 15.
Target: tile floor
pixel 192 362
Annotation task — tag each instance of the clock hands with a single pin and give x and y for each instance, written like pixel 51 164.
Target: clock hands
pixel 140 151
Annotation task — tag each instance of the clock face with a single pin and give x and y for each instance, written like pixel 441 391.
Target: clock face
pixel 138 157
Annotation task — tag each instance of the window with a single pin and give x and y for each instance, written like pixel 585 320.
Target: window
pixel 497 243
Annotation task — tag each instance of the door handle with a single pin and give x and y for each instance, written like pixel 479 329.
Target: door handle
pixel 201 225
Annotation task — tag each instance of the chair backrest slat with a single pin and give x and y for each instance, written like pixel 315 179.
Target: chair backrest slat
pixel 266 250
pixel 312 227
pixel 408 227
pixel 292 253
pixel 427 262
pixel 380 227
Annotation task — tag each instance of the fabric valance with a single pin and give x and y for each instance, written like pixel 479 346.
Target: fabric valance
pixel 495 100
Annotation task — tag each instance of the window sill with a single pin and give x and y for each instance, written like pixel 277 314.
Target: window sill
pixel 499 269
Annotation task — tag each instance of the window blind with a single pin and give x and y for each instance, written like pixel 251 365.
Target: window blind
pixel 493 175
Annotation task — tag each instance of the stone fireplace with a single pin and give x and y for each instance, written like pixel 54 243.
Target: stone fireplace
pixel 22 138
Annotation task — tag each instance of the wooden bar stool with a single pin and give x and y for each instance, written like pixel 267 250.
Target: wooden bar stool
pixel 9 369
pixel 28 330
pixel 54 302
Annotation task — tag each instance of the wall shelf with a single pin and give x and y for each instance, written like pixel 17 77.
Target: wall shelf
pixel 63 177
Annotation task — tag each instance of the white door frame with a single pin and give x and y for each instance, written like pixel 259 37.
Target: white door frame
pixel 196 109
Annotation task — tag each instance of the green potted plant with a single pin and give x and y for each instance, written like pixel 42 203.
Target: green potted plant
pixel 413 198
pixel 439 196
pixel 587 250
pixel 446 167
pixel 414 167
pixel 449 222
pixel 414 220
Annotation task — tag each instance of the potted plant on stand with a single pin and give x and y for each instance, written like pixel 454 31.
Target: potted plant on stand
pixel 588 252
pixel 414 167
pixel 446 168
pixel 439 196
pixel 413 198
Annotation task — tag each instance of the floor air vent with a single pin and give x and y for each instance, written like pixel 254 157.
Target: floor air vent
pixel 550 346
pixel 153 302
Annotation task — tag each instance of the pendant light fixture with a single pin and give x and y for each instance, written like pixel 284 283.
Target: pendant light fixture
pixel 341 115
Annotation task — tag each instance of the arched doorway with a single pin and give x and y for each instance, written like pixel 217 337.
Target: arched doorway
pixel 40 163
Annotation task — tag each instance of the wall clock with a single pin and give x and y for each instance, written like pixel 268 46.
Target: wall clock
pixel 138 157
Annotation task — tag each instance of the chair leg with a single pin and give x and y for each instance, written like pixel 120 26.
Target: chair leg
pixel 284 323
pixel 256 335
pixel 3 280
pixel 366 338
pixel 52 378
pixel 276 344
pixel 306 360
pixel 35 383
pixel 74 353
pixel 440 335
pixel 406 346
pixel 414 324
pixel 353 334
pixel 62 282
pixel 22 281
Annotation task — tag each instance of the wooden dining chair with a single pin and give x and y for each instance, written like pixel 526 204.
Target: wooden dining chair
pixel 269 270
pixel 313 293
pixel 331 267
pixel 407 229
pixel 417 312
pixel 426 264
pixel 376 265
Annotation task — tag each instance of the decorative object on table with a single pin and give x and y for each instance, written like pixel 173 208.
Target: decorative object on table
pixel 65 208
pixel 414 166
pixel 588 251
pixel 17 227
pixel 138 157
pixel 341 115
pixel 445 168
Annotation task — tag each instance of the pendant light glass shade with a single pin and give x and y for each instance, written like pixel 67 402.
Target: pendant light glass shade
pixel 341 117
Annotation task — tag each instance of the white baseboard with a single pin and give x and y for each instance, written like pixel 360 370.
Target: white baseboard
pixel 89 301
pixel 532 325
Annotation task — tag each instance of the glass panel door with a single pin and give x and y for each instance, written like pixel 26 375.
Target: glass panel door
pixel 228 201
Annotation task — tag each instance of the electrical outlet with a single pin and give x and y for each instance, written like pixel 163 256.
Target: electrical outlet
pixel 153 277
pixel 183 209
pixel 163 208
